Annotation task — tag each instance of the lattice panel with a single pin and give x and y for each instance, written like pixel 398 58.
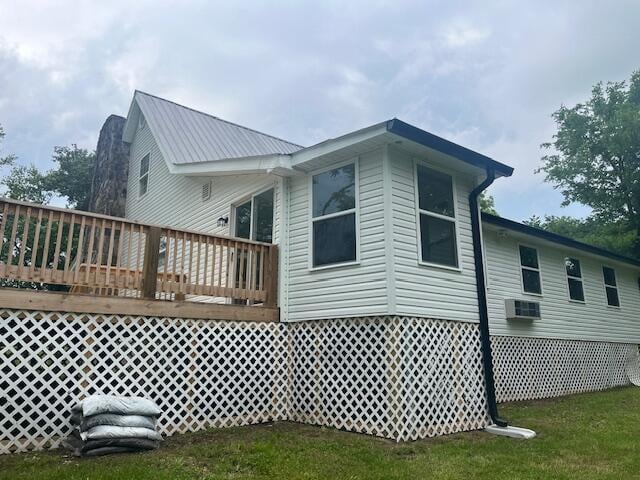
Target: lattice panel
pixel 443 383
pixel 395 377
pixel 530 368
pixel 400 378
pixel 201 373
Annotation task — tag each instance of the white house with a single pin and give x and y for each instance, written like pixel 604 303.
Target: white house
pixel 382 225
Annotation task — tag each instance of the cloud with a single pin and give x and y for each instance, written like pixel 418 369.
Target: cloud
pixel 485 74
pixel 462 33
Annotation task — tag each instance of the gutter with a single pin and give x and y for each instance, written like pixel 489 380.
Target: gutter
pixel 485 339
pixel 499 426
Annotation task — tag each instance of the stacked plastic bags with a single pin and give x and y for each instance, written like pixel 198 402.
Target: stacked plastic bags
pixel 104 424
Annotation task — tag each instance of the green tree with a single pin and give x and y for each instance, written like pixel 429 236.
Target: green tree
pixel 616 237
pixel 5 159
pixel 27 184
pixel 594 157
pixel 487 204
pixel 72 176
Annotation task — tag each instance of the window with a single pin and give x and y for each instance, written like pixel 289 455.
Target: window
pixel 531 281
pixel 574 279
pixel 143 182
pixel 436 217
pixel 611 286
pixel 333 216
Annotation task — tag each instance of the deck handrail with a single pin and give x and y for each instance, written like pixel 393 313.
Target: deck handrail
pixel 120 256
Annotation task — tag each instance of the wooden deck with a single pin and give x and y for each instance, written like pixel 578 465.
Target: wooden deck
pixel 132 266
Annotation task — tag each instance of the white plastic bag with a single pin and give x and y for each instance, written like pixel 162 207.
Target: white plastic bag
pixel 96 404
pixel 105 431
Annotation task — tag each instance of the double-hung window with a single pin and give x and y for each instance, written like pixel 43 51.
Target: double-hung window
pixel 530 267
pixel 574 279
pixel 333 216
pixel 611 286
pixel 143 179
pixel 436 217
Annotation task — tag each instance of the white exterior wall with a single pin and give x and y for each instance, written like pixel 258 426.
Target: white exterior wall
pixel 176 200
pixel 389 279
pixel 560 317
pixel 346 291
pixel 426 290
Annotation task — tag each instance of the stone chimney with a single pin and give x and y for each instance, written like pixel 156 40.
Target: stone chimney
pixel 109 183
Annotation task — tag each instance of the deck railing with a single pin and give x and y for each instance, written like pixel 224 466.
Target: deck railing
pixel 93 253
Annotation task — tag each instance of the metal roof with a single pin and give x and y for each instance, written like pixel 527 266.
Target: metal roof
pixel 185 135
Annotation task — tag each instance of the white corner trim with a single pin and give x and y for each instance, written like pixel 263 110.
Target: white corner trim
pixel 387 185
pixel 283 240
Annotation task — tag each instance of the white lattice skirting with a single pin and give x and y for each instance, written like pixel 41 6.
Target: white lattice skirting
pixel 401 378
pixel 530 368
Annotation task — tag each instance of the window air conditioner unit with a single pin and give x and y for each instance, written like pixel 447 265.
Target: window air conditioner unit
pixel 522 309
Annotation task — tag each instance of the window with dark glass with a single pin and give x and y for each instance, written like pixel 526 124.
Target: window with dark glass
pixel 333 222
pixel 437 217
pixel 611 286
pixel 531 282
pixel 143 181
pixel 574 279
pixel 253 220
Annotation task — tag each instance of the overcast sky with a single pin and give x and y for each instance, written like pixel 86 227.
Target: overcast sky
pixel 485 74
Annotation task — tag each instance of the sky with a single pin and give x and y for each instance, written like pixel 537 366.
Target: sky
pixel 487 75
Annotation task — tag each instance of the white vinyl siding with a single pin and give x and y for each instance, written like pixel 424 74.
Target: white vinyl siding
pixel 561 317
pixel 176 200
pixel 422 290
pixel 347 291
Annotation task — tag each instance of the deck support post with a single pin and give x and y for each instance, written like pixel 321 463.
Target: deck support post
pixel 150 265
pixel 271 272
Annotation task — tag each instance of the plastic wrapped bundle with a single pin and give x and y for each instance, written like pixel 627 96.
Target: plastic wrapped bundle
pixel 104 424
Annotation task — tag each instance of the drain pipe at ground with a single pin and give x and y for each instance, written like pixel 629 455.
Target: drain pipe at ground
pixel 499 426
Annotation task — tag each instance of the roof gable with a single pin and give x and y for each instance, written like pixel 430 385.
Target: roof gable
pixel 185 135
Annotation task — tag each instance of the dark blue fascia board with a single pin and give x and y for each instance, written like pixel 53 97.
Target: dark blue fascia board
pixel 555 238
pixel 430 140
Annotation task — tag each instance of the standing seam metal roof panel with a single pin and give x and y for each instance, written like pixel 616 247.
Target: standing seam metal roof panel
pixel 189 136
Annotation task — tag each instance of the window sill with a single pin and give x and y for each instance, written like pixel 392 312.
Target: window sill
pixel 537 295
pixel 579 302
pixel 617 307
pixel 334 265
pixel 437 265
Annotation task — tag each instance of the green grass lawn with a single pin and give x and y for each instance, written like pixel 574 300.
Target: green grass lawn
pixel 595 435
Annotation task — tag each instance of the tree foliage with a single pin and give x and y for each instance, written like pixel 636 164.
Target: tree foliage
pixel 613 236
pixel 27 184
pixel 72 176
pixel 487 204
pixel 5 159
pixel 594 157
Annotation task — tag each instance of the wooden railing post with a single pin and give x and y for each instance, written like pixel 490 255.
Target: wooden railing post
pixel 271 275
pixel 150 265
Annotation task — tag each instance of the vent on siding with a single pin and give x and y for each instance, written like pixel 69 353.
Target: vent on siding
pixel 142 122
pixel 206 191
pixel 522 310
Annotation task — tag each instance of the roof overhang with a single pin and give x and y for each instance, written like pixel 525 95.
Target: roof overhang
pixel 406 136
pixel 522 231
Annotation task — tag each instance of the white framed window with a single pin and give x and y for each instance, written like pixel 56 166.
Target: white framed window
pixel 252 216
pixel 436 217
pixel 530 270
pixel 610 286
pixel 143 178
pixel 333 226
pixel 575 286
